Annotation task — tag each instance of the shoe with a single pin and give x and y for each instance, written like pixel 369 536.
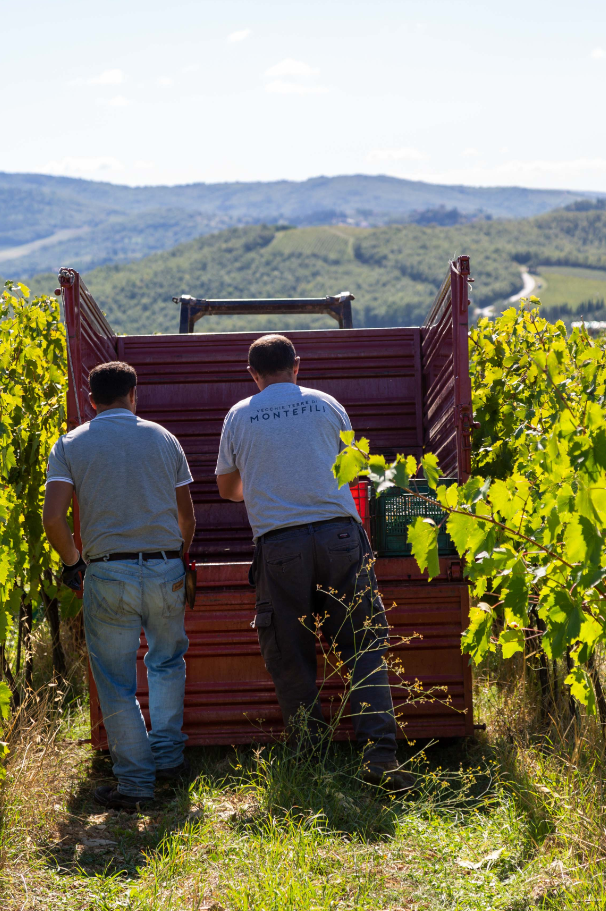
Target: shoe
pixel 387 775
pixel 112 799
pixel 175 773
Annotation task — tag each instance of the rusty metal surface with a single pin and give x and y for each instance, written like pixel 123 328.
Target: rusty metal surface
pixel 446 381
pixel 230 696
pixel 91 341
pixel 193 309
pixel 400 387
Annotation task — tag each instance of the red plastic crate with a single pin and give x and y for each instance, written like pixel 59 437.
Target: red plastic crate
pixel 361 495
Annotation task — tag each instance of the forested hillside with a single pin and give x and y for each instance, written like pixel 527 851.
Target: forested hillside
pixel 394 272
pixel 46 221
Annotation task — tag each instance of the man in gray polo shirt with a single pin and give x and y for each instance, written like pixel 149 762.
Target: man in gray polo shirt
pixel 276 453
pixel 131 479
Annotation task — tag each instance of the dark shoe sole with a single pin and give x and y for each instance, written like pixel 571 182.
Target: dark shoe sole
pixel 111 799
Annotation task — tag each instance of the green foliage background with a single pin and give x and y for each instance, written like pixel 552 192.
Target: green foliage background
pixel 394 272
pixel 33 384
pixel 531 521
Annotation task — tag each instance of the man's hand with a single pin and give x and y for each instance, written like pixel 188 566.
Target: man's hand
pixel 230 486
pixel 73 576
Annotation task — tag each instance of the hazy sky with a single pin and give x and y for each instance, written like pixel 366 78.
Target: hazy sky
pixel 147 92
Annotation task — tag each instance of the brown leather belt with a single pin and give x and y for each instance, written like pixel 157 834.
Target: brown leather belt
pixel 156 555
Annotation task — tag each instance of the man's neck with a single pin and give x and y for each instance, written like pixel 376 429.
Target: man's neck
pixel 119 404
pixel 273 380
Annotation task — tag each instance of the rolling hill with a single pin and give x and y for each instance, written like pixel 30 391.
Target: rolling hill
pixel 47 221
pixel 394 271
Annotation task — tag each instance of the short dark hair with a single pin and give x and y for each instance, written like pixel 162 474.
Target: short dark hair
pixel 272 354
pixel 111 381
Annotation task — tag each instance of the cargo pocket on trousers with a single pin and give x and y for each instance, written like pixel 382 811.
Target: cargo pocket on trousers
pixel 264 625
pixel 173 594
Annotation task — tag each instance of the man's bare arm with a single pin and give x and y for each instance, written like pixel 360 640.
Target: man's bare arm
pixel 186 515
pixel 57 499
pixel 230 486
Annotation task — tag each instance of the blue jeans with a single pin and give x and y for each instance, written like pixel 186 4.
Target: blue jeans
pixel 120 597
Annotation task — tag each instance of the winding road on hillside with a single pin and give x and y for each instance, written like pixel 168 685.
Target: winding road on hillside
pixel 527 289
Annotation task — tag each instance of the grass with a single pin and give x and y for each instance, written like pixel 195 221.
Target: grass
pixel 565 285
pixel 506 822
pixel 512 820
pixel 331 243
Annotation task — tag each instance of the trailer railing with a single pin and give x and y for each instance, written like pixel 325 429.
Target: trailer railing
pixel 193 308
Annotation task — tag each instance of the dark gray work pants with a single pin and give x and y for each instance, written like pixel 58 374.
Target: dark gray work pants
pixel 293 569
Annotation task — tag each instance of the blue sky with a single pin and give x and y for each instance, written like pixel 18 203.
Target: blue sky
pixel 151 92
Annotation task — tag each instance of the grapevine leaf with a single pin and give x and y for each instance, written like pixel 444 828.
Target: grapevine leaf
pixel 515 602
pixel 597 496
pixel 581 688
pixel 348 465
pixel 591 632
pixel 5 699
pixel 564 620
pixel 599 448
pixel 501 498
pixel 377 466
pixel 404 469
pixel 448 495
pixel 431 470
pixel 423 538
pixel 347 436
pixel 476 638
pixel 511 641
pixel 460 527
pixel 575 547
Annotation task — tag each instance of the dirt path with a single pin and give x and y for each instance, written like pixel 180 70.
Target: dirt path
pixel 528 288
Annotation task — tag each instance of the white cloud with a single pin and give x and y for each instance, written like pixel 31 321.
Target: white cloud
pixel 280 87
pixel 145 165
pixel 108 77
pixel 118 101
pixel 238 36
pixel 164 80
pixel 78 166
pixel 290 67
pixel 470 152
pixel 598 53
pixel 403 154
pixel 192 68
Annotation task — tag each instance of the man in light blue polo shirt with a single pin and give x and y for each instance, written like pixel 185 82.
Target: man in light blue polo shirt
pixel 131 479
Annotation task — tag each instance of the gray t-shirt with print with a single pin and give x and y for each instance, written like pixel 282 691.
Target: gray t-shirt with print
pixel 284 442
pixel 125 471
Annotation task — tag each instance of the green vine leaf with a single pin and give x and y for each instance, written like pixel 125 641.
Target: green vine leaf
pixel 423 538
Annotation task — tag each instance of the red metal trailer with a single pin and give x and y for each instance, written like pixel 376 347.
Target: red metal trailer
pixel 407 389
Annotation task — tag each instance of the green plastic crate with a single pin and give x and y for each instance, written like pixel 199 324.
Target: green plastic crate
pixel 394 510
